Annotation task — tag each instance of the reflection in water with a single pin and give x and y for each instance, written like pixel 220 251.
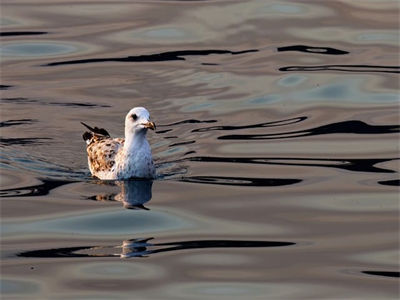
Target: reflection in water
pixel 309 49
pixel 134 193
pixel 142 248
pixel 164 56
pixel 343 68
pixel 353 127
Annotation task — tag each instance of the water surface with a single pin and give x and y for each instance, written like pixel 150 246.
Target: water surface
pixel 276 150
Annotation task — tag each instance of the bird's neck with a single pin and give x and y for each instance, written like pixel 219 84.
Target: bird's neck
pixel 134 141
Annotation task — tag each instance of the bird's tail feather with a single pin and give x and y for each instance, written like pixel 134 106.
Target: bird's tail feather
pixel 96 130
pixel 87 136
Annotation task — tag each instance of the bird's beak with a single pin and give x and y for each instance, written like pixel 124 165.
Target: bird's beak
pixel 150 125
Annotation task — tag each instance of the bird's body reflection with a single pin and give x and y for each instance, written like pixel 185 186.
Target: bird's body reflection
pixel 134 193
pixel 146 247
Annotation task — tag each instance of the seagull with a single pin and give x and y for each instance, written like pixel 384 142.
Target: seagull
pixel 121 158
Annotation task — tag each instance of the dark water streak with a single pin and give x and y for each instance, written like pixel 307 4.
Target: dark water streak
pixel 343 68
pixel 240 181
pixel 182 143
pixel 189 121
pixel 164 56
pixel 9 123
pixel 140 248
pixel 41 189
pixel 315 50
pixel 383 273
pixel 394 182
pixel 258 125
pixel 21 100
pixel 19 33
pixel 349 164
pixel 22 141
pixel 345 127
pixel 77 104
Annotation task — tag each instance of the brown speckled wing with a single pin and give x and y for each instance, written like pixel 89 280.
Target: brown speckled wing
pixel 101 153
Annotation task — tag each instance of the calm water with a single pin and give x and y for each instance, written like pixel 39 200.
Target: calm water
pixel 276 149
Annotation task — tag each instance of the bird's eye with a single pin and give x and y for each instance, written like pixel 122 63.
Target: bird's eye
pixel 134 117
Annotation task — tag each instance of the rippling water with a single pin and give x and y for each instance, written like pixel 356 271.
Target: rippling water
pixel 276 149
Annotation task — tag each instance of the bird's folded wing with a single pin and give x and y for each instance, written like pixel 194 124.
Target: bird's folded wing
pixel 102 152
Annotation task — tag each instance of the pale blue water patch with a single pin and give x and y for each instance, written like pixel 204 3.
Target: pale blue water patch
pixel 4 22
pixel 13 286
pixel 347 34
pixel 112 222
pixel 117 270
pixel 285 8
pixel 239 290
pixel 300 89
pixel 281 9
pixel 378 36
pixel 198 107
pixel 36 49
pixel 292 80
pixel 361 202
pixel 265 99
pixel 331 91
pixel 344 90
pixel 349 90
pixel 163 33
pixel 168 35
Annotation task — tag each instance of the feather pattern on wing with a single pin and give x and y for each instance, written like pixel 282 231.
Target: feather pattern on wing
pixel 101 154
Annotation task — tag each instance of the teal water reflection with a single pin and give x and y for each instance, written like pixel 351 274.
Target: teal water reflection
pixel 8 287
pixel 111 222
pixel 36 49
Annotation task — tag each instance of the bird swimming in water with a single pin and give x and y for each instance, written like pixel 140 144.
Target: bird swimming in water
pixel 122 158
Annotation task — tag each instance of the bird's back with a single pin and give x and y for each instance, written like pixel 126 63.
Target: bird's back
pixel 101 155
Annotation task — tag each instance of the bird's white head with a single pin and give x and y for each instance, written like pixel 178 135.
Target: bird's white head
pixel 138 121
